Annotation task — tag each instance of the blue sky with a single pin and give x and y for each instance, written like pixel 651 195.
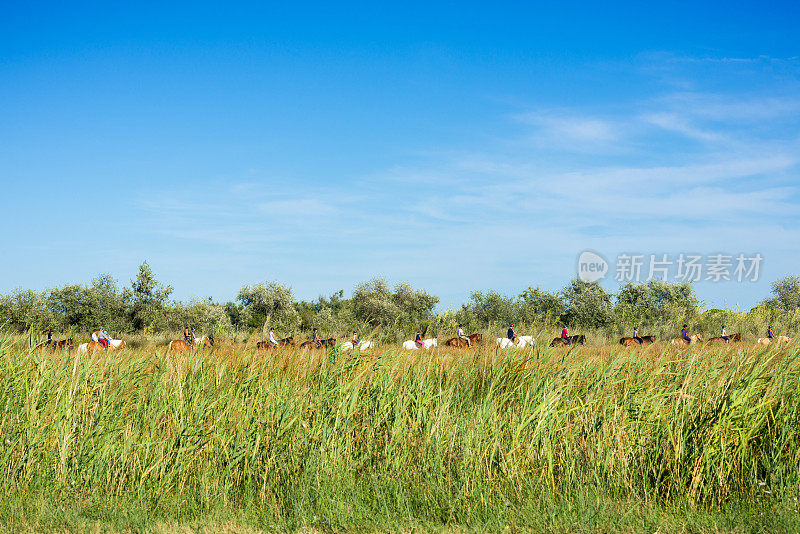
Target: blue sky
pixel 459 146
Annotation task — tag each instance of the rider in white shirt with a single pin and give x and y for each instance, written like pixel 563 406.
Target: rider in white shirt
pixel 462 336
pixel 272 337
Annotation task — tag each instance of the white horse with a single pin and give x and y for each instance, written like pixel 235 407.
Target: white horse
pixel 504 342
pixel 362 345
pixel 524 341
pixel 426 344
pixel 116 344
pixel 520 342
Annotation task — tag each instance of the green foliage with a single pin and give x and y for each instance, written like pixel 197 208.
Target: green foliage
pixel 537 306
pixel 391 314
pixel 373 303
pixel 148 300
pixel 785 294
pixel 272 302
pixel 99 305
pixel 655 302
pixel 587 305
pixel 23 309
pixel 237 314
pixel 485 308
pixel 206 317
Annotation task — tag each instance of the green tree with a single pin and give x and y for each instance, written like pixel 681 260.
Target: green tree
pixel 375 303
pixel 587 305
pixel 269 300
pixel 539 306
pixel 785 294
pixel 237 314
pixel 206 316
pixel 148 300
pixel 491 307
pixel 654 302
pixel 24 309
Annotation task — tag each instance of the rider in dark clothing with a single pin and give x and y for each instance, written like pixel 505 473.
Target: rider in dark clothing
pixel 188 338
pixel 770 335
pixel 418 339
pixel 685 335
pixel 511 335
pixel 50 338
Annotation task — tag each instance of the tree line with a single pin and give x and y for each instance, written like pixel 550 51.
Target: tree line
pixel 145 306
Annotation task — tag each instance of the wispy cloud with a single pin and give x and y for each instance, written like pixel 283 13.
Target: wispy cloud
pixel 678 170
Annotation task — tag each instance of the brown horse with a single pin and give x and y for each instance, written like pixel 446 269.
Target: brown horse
pixel 631 342
pixel 733 337
pixel 579 339
pixel 458 342
pixel 323 344
pixel 281 343
pixel 181 345
pixel 679 341
pixel 779 340
pixel 62 344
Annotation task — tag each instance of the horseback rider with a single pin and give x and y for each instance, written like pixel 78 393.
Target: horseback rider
pixel 511 334
pixel 418 340
pixel 636 337
pixel 50 337
pixel 685 335
pixel 354 339
pixel 725 335
pixel 315 339
pixel 460 334
pixel 272 339
pixel 770 335
pixel 565 339
pixel 188 337
pixel 103 339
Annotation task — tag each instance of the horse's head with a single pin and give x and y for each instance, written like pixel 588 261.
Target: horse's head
pixel 699 337
pixel 209 342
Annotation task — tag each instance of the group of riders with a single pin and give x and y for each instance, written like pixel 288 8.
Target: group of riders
pixel 723 335
pixel 102 337
pixel 99 335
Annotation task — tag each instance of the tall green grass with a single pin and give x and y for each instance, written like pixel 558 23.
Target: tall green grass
pixel 476 438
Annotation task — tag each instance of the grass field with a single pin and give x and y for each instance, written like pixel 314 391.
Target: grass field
pixel 591 439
